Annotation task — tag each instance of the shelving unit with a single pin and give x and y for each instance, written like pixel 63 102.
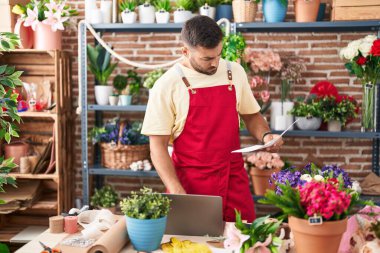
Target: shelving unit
pixel 56 188
pixel 284 27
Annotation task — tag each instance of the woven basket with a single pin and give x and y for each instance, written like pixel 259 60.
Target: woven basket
pixel 119 156
pixel 244 11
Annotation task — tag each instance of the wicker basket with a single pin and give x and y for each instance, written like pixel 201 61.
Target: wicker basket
pixel 244 11
pixel 119 156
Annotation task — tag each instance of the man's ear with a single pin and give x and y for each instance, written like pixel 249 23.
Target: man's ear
pixel 185 51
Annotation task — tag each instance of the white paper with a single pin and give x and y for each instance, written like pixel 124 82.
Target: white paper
pixel 266 145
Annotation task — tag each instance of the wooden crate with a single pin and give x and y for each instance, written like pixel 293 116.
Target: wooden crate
pixel 355 10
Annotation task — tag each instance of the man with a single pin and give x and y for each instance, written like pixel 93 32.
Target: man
pixel 197 103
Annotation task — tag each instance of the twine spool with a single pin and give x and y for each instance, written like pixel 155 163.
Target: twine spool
pixel 71 226
pixel 27 164
pixel 56 224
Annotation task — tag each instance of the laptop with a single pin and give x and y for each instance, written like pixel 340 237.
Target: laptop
pixel 195 215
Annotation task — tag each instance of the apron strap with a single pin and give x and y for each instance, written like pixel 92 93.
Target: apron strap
pixel 184 79
pixel 229 75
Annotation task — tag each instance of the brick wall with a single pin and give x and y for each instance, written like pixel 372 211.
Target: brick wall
pixel 319 51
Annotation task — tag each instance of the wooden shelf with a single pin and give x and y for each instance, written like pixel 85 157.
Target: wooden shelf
pixel 33 176
pixel 38 115
pixel 9 231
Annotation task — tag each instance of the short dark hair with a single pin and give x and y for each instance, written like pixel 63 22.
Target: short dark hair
pixel 202 31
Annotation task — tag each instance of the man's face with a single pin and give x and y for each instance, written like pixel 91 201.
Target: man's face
pixel 204 60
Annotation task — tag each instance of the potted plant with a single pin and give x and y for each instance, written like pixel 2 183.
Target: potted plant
pixel 233 47
pixel 207 7
pixel 134 83
pixel 337 111
pixel 105 198
pixel 152 77
pixel 244 11
pixel 128 14
pixel 100 65
pixel 306 10
pixel 146 12
pixel 363 61
pixel 146 214
pixel 308 113
pixel 317 203
pixel 119 84
pixel 163 8
pixel 47 19
pixel 224 10
pixel 290 73
pixel 261 165
pixel 184 10
pixel 275 10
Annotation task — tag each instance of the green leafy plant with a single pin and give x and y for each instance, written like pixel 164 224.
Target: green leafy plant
pixel 120 82
pixel 9 80
pixel 134 82
pixel 100 63
pixel 152 77
pixel 233 47
pixel 342 111
pixel 4 248
pixel 128 5
pixel 105 197
pixel 187 5
pixel 145 205
pixel 311 107
pixel 211 3
pixel 163 5
pixel 225 2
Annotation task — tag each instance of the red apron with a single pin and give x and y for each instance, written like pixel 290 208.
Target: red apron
pixel 202 153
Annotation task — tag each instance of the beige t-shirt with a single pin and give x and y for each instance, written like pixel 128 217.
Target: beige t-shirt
pixel 168 103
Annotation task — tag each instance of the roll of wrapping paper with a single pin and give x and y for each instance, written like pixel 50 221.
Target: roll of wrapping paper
pixel 56 224
pixel 71 226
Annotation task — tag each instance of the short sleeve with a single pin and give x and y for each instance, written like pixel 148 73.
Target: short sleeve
pixel 247 103
pixel 159 115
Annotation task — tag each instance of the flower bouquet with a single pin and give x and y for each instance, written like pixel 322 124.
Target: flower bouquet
pixel 261 93
pixel 363 61
pixel 317 203
pixel 261 165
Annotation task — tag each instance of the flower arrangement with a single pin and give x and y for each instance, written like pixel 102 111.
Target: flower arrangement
pixel 342 109
pixel 145 204
pixel 261 92
pixel 262 61
pixel 105 197
pixel 260 236
pixel 152 77
pixel 233 47
pixel 49 12
pixel 291 72
pixel 265 160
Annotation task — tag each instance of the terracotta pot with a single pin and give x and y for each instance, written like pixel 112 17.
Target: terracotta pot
pixel 16 150
pixel 260 180
pixel 306 10
pixel 313 238
pixel 46 39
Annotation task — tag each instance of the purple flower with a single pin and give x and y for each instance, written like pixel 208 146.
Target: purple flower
pixel 291 176
pixel 333 171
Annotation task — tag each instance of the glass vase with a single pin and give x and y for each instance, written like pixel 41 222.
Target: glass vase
pixel 368 106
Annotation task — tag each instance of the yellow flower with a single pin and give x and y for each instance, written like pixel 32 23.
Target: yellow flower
pixel 17 9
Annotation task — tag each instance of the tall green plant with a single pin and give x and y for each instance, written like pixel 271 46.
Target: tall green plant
pixel 100 63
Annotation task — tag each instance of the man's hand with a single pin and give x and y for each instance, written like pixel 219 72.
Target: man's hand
pixel 276 146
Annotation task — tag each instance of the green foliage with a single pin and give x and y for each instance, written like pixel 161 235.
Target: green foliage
pixel 105 197
pixel 4 248
pixel 233 47
pixel 258 231
pixel 341 111
pixel 163 5
pixel 134 82
pixel 8 41
pixel 152 77
pixel 309 108
pixel 211 3
pixel 120 82
pixel 225 2
pixel 128 5
pixel 145 205
pixel 187 5
pixel 100 63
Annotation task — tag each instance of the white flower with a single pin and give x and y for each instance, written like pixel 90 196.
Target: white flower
pixel 350 52
pixel 306 177
pixel 365 48
pixel 356 187
pixel 341 53
pixel 355 44
pixel 318 178
pixel 55 19
pixel 32 18
pixel 370 38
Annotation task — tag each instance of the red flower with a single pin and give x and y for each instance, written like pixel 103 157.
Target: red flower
pixel 361 60
pixel 375 50
pixel 324 89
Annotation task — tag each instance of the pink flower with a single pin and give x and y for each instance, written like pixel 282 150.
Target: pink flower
pixel 31 18
pixel 261 247
pixel 266 156
pixel 260 164
pixel 235 238
pixel 265 95
pixel 55 20
pixel 278 163
pixel 252 159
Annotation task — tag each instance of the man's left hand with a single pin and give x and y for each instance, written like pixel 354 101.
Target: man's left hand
pixel 276 146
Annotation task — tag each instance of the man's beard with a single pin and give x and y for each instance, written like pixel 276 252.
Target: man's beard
pixel 202 71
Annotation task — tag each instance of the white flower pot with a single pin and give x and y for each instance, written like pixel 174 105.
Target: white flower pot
pixel 102 93
pixel 113 100
pixel 207 11
pixel 311 124
pixel 146 14
pixel 162 17
pixel 181 16
pixel 280 118
pixel 334 126
pixel 125 100
pixel 129 17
